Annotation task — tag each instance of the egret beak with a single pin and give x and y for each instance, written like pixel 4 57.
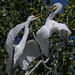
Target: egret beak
pixel 52 7
pixel 37 16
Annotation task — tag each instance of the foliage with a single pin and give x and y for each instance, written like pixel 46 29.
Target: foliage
pixel 68 11
pixel 13 12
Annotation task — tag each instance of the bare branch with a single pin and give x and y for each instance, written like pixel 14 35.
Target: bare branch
pixel 40 51
pixel 28 73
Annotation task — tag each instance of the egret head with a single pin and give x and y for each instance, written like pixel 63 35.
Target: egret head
pixel 32 17
pixel 56 6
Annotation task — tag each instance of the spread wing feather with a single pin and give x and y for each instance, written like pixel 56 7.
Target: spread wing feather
pixel 11 36
pixel 30 53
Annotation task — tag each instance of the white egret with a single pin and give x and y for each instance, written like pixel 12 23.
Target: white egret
pixel 51 26
pixel 20 47
pixel 31 50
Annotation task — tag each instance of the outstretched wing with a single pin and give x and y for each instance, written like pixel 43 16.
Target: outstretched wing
pixel 11 36
pixel 9 43
pixel 65 32
pixel 61 28
pixel 30 53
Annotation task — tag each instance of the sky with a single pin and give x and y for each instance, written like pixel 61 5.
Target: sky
pixel 63 2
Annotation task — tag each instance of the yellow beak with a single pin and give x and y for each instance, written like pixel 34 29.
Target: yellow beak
pixel 52 7
pixel 37 16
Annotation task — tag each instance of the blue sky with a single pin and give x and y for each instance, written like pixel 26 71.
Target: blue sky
pixel 63 2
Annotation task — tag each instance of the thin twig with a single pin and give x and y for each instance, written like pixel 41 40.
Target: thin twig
pixel 50 54
pixel 37 66
pixel 40 51
pixel 57 55
pixel 38 46
pixel 67 21
pixel 34 67
pixel 45 62
pixel 41 61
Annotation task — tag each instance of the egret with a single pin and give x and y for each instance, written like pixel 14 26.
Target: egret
pixel 31 50
pixel 20 47
pixel 45 32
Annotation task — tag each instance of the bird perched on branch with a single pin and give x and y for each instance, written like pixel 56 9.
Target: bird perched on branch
pixel 45 32
pixel 18 49
pixel 31 50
